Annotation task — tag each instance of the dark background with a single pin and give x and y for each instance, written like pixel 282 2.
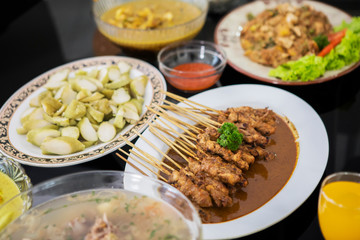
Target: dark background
pixel 36 36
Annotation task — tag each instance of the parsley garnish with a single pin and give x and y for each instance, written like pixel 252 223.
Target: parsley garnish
pixel 230 136
pixel 322 41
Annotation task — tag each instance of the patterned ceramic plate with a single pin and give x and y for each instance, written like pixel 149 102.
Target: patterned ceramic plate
pixel 227 34
pixel 18 148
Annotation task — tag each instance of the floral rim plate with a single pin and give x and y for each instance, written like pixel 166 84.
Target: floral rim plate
pixel 227 34
pixel 312 159
pixel 18 148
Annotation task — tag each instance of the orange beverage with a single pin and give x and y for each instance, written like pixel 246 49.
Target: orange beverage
pixel 339 206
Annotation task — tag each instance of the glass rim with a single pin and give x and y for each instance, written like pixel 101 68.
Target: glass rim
pixel 44 185
pixel 203 13
pixel 335 174
pixel 220 53
pixel 195 227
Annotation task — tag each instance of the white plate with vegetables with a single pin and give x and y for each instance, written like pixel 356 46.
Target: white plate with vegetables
pixel 74 113
pixel 228 35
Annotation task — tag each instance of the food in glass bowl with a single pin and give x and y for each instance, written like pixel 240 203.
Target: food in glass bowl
pixel 13 181
pixel 149 24
pixel 105 205
pixel 192 66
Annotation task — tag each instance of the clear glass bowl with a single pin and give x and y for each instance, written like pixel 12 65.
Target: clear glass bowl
pixel 98 184
pixel 194 54
pixel 17 174
pixel 150 40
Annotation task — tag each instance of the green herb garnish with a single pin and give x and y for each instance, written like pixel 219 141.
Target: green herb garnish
pixel 230 136
pixel 322 41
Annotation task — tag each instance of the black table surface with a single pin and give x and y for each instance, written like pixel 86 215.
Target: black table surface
pixel 41 35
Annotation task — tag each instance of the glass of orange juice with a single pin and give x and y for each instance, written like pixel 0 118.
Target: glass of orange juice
pixel 339 206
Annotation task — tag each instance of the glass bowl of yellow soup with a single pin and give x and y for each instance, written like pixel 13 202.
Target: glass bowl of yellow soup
pixel 149 24
pixel 13 181
pixel 110 204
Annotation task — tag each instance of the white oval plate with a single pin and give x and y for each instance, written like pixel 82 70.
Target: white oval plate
pixel 227 34
pixel 17 147
pixel 313 155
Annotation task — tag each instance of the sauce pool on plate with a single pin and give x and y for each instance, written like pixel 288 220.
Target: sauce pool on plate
pixel 266 178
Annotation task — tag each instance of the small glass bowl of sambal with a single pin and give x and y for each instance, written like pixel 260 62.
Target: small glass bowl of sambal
pixel 192 66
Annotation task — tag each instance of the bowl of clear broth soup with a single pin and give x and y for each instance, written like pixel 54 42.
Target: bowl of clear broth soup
pixel 149 24
pixel 105 205
pixel 192 66
pixel 13 181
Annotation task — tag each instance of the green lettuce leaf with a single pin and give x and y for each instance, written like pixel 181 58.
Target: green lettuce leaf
pixel 309 68
pixel 353 26
pixel 306 68
pixel 347 52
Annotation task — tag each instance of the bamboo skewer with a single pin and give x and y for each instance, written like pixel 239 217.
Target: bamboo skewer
pixel 157 165
pixel 141 151
pixel 186 101
pixel 130 163
pixel 189 146
pixel 167 130
pixel 174 119
pixel 176 124
pixel 193 118
pixel 142 164
pixel 197 116
pixel 173 144
pixel 173 130
pixel 157 149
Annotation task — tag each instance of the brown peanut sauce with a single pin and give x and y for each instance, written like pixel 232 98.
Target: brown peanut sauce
pixel 265 178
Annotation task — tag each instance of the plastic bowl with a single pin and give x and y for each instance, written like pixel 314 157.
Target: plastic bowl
pixel 192 66
pixel 151 39
pixel 118 198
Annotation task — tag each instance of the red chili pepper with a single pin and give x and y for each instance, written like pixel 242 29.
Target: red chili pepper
pixel 336 35
pixel 334 39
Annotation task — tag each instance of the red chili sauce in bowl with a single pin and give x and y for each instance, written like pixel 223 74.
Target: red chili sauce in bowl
pixel 192 66
pixel 193 76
